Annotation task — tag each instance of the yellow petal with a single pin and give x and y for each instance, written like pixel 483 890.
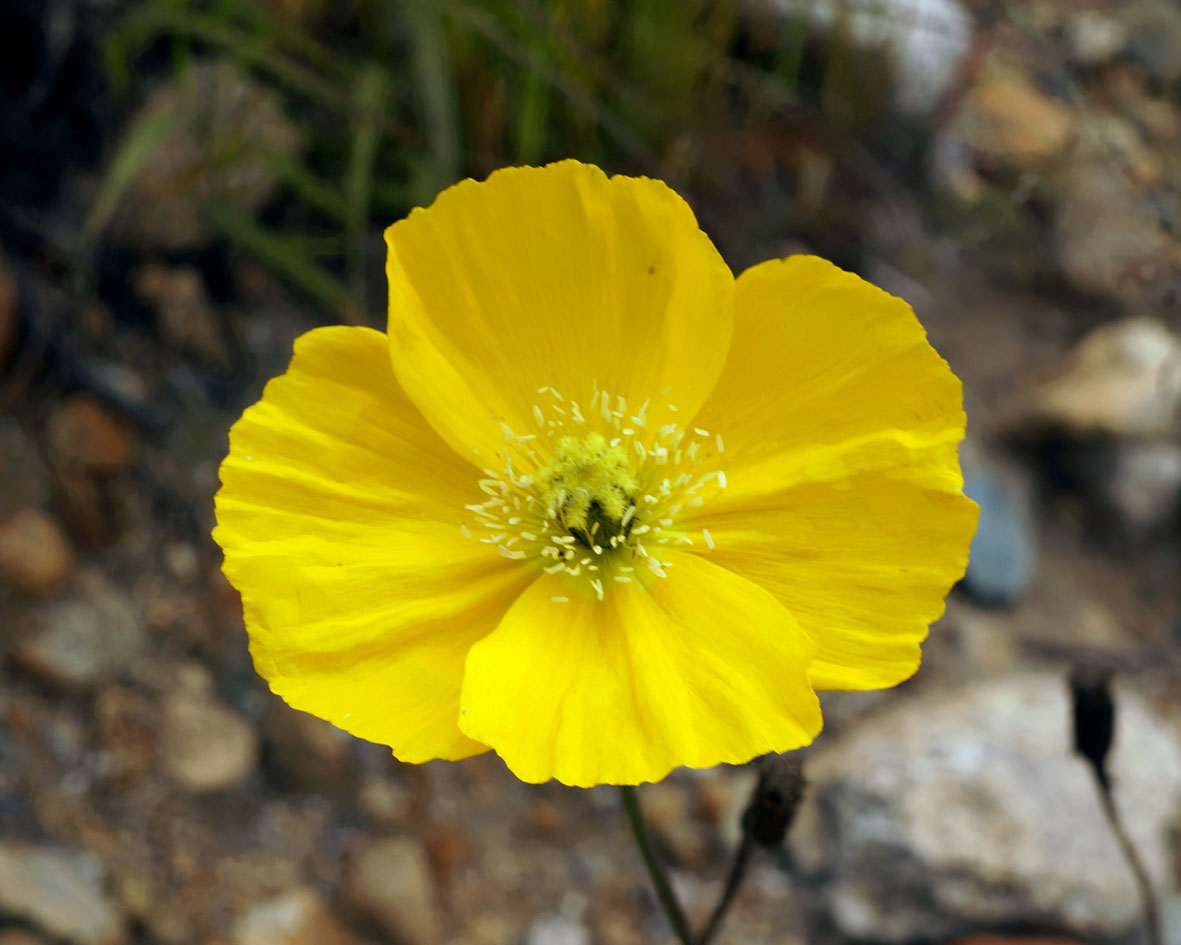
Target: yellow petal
pixel 554 276
pixel 698 668
pixel 339 514
pixel 843 495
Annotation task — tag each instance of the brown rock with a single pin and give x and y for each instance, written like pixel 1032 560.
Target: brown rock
pixel 35 555
pixel 24 477
pixel 83 434
pixel 204 744
pixel 1123 378
pixel 390 885
pixel 295 917
pixel 60 893
pixel 1004 118
pixel 84 639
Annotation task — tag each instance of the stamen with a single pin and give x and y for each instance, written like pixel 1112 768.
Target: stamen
pixel 594 505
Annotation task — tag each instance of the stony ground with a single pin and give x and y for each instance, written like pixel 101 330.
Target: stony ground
pixel 153 791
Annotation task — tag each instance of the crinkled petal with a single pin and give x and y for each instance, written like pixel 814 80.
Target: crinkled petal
pixel 698 668
pixel 339 514
pixel 844 494
pixel 552 277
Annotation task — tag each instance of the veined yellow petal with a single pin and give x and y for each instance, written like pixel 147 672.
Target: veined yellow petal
pixel 340 516
pixel 698 668
pixel 844 494
pixel 552 277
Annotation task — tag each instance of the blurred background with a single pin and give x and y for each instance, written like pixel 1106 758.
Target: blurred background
pixel 187 186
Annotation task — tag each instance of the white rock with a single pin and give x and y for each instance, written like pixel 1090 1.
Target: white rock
pixel 924 41
pixel 295 917
pixel 969 808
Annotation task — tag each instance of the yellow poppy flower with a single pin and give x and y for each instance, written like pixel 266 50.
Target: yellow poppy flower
pixel 593 502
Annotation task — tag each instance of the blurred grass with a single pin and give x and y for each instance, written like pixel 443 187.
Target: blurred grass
pixel 400 99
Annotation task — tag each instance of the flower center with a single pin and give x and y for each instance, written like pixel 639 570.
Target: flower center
pixel 598 497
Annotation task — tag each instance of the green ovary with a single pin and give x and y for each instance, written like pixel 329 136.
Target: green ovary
pixel 590 488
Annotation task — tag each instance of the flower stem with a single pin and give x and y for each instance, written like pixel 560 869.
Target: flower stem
pixel 664 892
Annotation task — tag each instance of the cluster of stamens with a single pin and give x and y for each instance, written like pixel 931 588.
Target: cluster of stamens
pixel 598 496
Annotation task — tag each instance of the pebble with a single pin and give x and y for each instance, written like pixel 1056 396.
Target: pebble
pixel 1123 378
pixel 294 917
pixel 59 892
pixel 204 744
pixel 35 555
pixel 668 810
pixel 82 434
pixel 84 639
pixel 967 808
pixel 389 883
pixel 1003 556
pixel 224 129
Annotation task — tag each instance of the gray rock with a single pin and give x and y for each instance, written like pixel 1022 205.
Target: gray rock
pixel 60 892
pixel 1003 554
pixel 1146 485
pixel 968 808
pixel 84 639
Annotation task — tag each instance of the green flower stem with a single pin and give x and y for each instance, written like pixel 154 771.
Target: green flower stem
pixel 664 891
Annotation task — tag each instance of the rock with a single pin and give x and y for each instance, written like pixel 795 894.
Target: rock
pixel 1003 555
pixel 295 917
pixel 1017 940
pixel 1005 120
pixel 557 930
pixel 60 892
pixel 184 312
pixel 219 133
pixel 84 639
pixel 389 883
pixel 1154 37
pixel 204 744
pixel 968 808
pixel 1094 38
pixel 1145 487
pixel 1108 239
pixel 1123 378
pixel 923 42
pixel 84 435
pixel 35 555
